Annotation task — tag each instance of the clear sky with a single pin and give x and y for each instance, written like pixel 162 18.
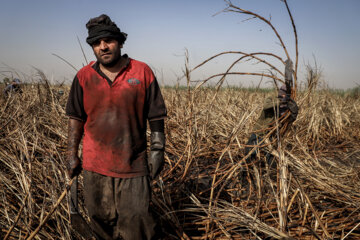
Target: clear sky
pixel 159 31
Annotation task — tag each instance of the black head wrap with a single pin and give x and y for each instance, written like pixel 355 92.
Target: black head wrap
pixel 103 27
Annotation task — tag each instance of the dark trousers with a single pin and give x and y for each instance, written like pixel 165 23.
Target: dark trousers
pixel 119 207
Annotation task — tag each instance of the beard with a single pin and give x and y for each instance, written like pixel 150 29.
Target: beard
pixel 110 59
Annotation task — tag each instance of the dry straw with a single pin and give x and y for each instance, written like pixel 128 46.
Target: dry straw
pixel 207 190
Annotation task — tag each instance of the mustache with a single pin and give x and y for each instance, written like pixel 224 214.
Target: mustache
pixel 105 52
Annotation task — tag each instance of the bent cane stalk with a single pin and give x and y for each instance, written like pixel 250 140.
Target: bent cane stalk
pixel 17 218
pixel 63 194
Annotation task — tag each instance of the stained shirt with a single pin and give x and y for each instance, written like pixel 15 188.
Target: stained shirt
pixel 115 115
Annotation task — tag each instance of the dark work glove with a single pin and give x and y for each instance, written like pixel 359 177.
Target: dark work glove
pixel 156 159
pixel 293 108
pixel 74 166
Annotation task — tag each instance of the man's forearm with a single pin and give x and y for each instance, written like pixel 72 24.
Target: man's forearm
pixel 75 133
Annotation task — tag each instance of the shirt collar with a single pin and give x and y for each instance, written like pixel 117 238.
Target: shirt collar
pixel 96 67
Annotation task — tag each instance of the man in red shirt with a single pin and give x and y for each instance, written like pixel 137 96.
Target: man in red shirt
pixel 110 102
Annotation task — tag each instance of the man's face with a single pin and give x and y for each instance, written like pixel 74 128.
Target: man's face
pixel 107 51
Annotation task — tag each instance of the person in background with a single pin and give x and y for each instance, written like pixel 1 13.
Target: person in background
pixel 13 87
pixel 110 102
pixel 273 109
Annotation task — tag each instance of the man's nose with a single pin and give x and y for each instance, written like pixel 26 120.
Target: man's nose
pixel 103 45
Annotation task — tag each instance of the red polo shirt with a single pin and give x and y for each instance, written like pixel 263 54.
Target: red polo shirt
pixel 115 115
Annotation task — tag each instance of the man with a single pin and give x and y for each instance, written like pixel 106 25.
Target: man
pixel 13 87
pixel 273 110
pixel 109 103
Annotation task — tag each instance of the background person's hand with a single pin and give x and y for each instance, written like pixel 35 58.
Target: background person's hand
pixel 293 108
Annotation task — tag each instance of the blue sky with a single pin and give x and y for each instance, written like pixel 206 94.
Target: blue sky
pixel 159 31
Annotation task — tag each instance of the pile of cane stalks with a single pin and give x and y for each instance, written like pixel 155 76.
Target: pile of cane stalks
pixel 207 190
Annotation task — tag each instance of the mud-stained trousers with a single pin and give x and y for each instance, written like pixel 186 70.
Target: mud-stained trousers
pixel 119 207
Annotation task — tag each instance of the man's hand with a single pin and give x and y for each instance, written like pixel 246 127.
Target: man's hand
pixel 293 108
pixel 156 159
pixel 73 166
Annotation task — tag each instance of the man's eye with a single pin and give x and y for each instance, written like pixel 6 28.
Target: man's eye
pixel 96 43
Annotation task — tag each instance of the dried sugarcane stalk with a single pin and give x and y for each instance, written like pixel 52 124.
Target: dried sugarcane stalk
pixel 17 217
pixel 63 194
pixel 313 209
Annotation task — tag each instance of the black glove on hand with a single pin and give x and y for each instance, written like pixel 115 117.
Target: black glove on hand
pixel 156 159
pixel 293 108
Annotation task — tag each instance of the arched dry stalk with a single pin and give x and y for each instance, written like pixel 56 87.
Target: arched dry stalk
pixel 273 74
pixel 235 9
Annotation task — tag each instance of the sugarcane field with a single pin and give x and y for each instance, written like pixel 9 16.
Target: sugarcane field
pixel 225 176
